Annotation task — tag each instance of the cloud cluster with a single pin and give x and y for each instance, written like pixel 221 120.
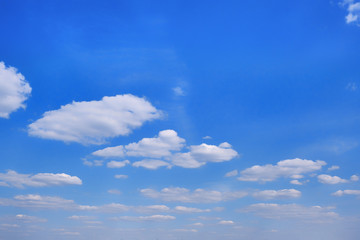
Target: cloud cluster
pixel 14 90
pixel 12 178
pixel 177 194
pixel 327 179
pixel 293 168
pixel 94 122
pixel 340 193
pixel 164 150
pixel 145 218
pixel 279 194
pixel 353 9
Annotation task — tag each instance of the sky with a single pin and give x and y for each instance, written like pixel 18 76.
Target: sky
pixel 169 120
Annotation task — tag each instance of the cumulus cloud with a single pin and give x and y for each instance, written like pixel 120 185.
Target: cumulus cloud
pixel 94 122
pixel 156 147
pixel 292 211
pixel 226 222
pixel 327 179
pixel 286 168
pixel 346 192
pixel 176 194
pixel 117 164
pixel 151 164
pixel 353 11
pixel 14 90
pixel 277 194
pixel 232 173
pixel 166 146
pixel 14 179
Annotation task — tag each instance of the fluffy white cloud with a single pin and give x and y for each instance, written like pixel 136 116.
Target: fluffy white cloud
pixel 151 164
pixel 146 218
pixel 279 194
pixel 285 168
pixel 95 121
pixel 346 192
pixel 296 182
pixel 327 179
pixel 212 153
pixel 117 164
pixel 232 173
pixel 12 178
pixel 177 194
pixel 156 147
pixel 353 9
pixel 292 211
pixel 185 160
pixel 14 90
pixel 182 209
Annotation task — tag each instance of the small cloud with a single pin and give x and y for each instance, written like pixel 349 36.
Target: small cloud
pixel 232 173
pixel 117 164
pixel 207 137
pixel 114 191
pixel 353 11
pixel 178 91
pixel 120 176
pixel 354 178
pixel 226 222
pixel 334 167
pixel 95 163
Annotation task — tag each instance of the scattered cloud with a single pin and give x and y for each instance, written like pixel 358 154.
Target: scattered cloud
pixel 277 194
pixel 346 192
pixel 297 182
pixel 182 209
pixel 114 191
pixel 145 218
pixel 176 194
pixel 354 178
pixel 292 211
pixel 178 91
pixel 327 179
pixel 232 173
pixel 353 11
pixel 117 164
pixel 81 218
pixel 226 222
pixel 334 167
pixel 352 86
pixel 285 168
pixel 94 122
pixel 14 90
pixel 29 219
pixel 121 176
pixel 207 137
pixel 95 163
pixel 14 179
pixel 151 164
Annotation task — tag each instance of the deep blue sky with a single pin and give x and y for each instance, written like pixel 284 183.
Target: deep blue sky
pixel 276 80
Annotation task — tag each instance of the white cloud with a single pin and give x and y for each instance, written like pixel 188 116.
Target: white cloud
pixel 156 147
pixel 94 122
pixel 346 192
pixel 96 163
pixel 81 218
pixel 14 90
pixel 279 194
pixel 27 218
pixel 334 167
pixel 232 173
pixel 292 211
pixel 198 224
pixel 207 137
pixel 146 218
pixel 178 91
pixel 354 178
pixel 296 182
pixel 353 11
pixel 151 208
pixel 185 160
pixel 327 179
pixel 121 176
pixel 117 164
pixel 176 194
pixel 226 222
pixel 151 164
pixel 285 168
pixel 182 209
pixel 12 178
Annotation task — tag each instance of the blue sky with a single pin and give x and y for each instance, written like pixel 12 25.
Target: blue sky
pixel 179 120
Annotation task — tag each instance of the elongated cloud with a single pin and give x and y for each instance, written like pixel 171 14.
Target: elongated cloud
pixel 353 9
pixel 340 193
pixel 277 194
pixel 94 122
pixel 14 90
pixel 12 178
pixel 287 168
pixel 197 196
